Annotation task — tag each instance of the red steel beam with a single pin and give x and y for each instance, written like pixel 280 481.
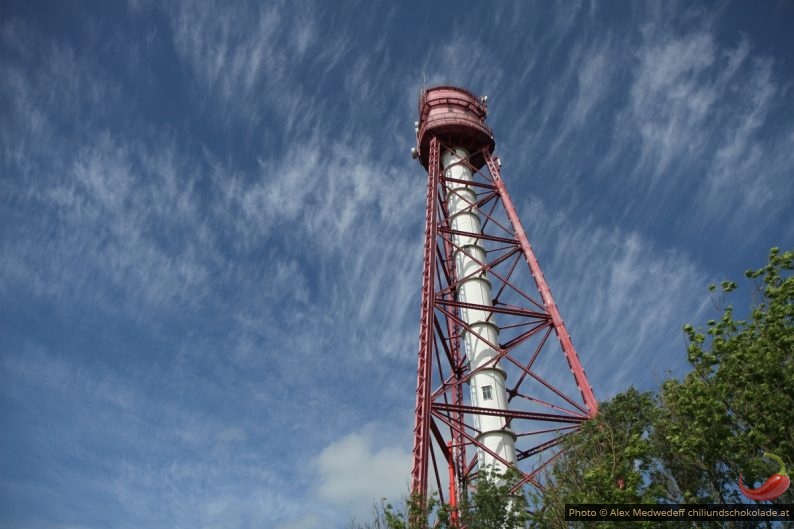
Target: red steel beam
pixel 545 293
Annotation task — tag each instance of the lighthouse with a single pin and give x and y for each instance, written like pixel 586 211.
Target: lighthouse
pixel 486 396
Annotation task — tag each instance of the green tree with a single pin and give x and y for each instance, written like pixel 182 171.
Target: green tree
pixel 413 513
pixel 738 401
pixel 610 460
pixel 489 505
pixel 492 504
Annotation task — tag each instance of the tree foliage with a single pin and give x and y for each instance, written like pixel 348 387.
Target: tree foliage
pixel 610 460
pixel 738 401
pixel 491 504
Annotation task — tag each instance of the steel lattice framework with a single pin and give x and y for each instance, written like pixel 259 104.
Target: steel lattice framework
pixel 547 390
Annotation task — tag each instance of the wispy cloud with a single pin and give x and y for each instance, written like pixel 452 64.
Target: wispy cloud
pixel 694 112
pixel 620 294
pixel 669 103
pixel 306 521
pixel 153 473
pixel 744 160
pixel 245 58
pixel 114 205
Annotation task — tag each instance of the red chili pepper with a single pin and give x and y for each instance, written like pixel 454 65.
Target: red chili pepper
pixel 773 487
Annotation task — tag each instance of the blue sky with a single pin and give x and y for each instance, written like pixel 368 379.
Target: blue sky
pixel 210 228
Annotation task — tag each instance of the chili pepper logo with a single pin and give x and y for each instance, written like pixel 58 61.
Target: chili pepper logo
pixel 773 487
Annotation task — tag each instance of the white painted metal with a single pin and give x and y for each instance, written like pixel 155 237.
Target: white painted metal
pixel 488 385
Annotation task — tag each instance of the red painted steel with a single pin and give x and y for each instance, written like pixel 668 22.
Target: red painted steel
pixel 540 390
pixel 543 288
pixel 456 117
pixel 453 494
pixel 423 380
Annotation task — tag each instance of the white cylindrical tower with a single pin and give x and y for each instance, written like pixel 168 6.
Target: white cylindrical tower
pixel 488 385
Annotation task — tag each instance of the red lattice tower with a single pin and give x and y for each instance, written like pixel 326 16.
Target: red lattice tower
pixel 493 388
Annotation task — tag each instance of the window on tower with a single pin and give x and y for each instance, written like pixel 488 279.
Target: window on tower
pixel 487 394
